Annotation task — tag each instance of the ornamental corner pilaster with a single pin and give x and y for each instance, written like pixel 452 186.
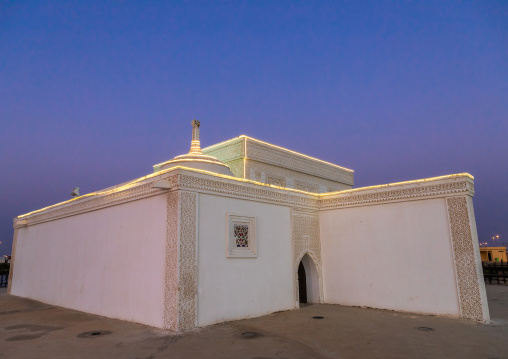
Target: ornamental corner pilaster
pixel 466 256
pixel 180 299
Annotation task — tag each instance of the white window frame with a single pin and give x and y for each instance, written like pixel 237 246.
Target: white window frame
pixel 231 250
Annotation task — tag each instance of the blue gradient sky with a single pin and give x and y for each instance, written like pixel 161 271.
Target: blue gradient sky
pixel 93 94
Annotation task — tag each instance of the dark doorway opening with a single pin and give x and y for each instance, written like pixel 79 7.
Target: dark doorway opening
pixel 302 284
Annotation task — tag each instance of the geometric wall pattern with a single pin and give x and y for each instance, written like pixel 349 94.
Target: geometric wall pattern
pixel 473 305
pixel 180 301
pixel 305 238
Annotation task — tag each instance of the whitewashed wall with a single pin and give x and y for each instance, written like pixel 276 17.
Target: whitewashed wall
pixel 108 262
pixel 237 288
pixel 392 256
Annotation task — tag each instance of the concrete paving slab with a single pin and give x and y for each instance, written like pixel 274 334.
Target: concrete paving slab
pixel 29 329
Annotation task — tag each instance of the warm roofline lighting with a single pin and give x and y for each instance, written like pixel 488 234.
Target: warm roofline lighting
pixel 97 193
pixel 398 183
pixel 245 180
pixel 281 148
pixel 299 154
pixel 191 160
pixel 130 184
pixel 224 142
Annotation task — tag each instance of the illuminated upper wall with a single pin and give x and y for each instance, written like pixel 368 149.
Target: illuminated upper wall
pixel 260 161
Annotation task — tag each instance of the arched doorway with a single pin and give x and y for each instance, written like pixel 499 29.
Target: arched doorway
pixel 308 281
pixel 302 284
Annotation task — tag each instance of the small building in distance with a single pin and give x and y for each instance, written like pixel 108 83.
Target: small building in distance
pixel 493 254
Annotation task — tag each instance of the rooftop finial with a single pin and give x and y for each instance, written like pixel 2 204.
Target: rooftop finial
pixel 195 145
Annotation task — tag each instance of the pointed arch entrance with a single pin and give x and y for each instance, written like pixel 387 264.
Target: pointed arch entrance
pixel 307 251
pixel 308 281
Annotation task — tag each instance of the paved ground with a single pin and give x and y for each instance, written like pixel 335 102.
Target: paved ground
pixel 30 329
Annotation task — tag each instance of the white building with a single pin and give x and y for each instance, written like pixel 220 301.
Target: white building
pixel 219 234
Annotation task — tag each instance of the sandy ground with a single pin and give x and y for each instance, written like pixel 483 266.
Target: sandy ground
pixel 30 329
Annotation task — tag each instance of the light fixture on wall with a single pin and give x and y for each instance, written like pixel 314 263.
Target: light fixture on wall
pixel 75 192
pixel 162 184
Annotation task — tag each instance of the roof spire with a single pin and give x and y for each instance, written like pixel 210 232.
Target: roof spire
pixel 195 148
pixel 195 158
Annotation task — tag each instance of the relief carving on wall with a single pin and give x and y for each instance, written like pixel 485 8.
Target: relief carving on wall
pixel 171 276
pixel 246 190
pixel 236 167
pixel 188 268
pixel 278 157
pixel 227 152
pixel 305 237
pixel 385 194
pixel 313 182
pixel 180 300
pixel 275 180
pixel 469 278
pixel 306 186
pixel 182 179
pixel 258 175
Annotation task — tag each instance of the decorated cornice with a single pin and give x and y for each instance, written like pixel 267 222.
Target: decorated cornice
pixel 86 204
pixel 173 179
pixel 254 149
pixel 131 190
pixel 249 189
pixel 194 180
pixel 443 186
pixel 293 179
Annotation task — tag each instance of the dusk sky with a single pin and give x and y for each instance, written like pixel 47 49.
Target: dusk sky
pixel 93 93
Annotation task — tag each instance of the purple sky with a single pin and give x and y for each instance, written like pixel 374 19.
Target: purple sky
pixel 93 94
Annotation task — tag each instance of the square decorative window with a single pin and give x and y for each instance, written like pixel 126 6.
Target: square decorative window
pixel 241 236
